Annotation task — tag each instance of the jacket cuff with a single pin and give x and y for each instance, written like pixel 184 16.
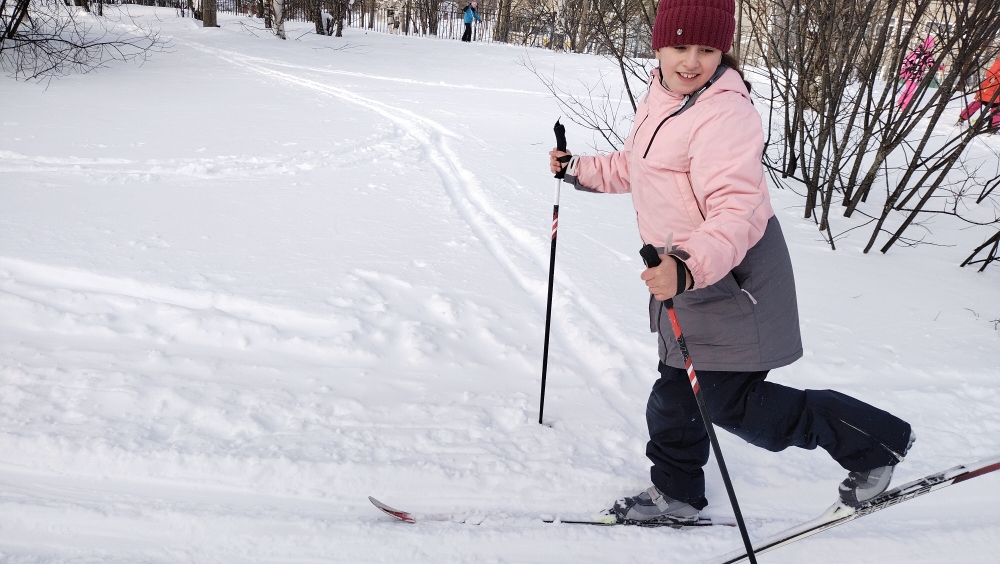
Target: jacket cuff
pixel 570 179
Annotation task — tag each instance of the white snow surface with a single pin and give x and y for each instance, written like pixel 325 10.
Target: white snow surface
pixel 251 282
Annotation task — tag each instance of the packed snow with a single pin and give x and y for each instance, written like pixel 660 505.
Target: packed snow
pixel 251 282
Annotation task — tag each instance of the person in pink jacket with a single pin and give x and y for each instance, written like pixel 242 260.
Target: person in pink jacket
pixel 914 67
pixel 692 164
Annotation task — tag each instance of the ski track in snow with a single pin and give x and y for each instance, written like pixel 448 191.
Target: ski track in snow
pixel 180 384
pixel 77 302
pixel 353 330
pixel 489 225
pixel 371 76
pixel 109 169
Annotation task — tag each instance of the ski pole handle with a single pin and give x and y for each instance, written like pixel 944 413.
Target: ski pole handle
pixel 650 256
pixel 560 131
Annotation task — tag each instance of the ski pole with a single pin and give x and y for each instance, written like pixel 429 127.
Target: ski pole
pixel 652 259
pixel 560 131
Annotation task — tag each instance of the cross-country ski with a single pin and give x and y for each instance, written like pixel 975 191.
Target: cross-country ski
pixel 838 514
pixel 479 518
pixel 651 281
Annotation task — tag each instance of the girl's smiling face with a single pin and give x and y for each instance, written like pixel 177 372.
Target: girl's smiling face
pixel 686 68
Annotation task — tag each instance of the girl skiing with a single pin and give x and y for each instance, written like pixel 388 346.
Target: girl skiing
pixel 692 163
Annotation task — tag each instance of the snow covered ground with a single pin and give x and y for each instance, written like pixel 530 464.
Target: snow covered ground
pixel 252 282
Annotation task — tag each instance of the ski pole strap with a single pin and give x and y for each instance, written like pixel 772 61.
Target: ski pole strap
pixel 562 171
pixel 681 276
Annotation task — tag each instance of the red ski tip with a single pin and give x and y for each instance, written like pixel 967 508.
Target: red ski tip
pixel 401 515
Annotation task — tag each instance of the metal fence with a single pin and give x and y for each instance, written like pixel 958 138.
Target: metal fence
pixel 409 18
pixel 448 23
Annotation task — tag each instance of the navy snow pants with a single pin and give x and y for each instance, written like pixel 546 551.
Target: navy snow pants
pixel 858 436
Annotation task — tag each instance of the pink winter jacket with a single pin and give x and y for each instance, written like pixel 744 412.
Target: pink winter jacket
pixel 697 175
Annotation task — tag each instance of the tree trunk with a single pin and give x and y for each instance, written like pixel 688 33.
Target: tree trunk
pixel 432 18
pixel 341 16
pixel 406 20
pixel 277 6
pixel 990 256
pixel 208 8
pixel 318 16
pixel 14 22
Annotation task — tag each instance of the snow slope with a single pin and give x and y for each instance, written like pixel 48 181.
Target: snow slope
pixel 252 282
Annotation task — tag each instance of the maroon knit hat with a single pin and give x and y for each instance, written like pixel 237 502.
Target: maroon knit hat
pixel 695 22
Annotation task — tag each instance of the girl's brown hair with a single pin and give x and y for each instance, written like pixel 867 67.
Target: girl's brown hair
pixel 732 62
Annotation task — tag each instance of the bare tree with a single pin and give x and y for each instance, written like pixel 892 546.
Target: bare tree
pixel 278 11
pixel 621 31
pixel 208 13
pixel 264 11
pixel 501 31
pixel 843 127
pixel 578 22
pixel 47 38
pixel 991 256
pixel 337 14
pixel 426 12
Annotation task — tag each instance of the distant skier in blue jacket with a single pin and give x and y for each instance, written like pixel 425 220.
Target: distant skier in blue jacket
pixel 470 13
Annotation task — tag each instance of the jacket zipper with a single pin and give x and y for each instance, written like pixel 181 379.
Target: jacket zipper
pixel 657 130
pixel 641 124
pixel 685 104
